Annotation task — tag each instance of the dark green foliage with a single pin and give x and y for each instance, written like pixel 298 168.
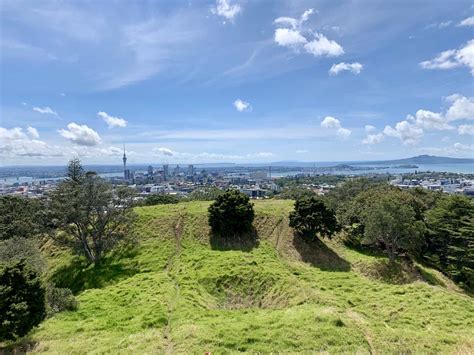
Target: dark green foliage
pixel 20 217
pixel 295 193
pixel 450 238
pixel 22 300
pixel 88 215
pixel 206 194
pixel 16 249
pixel 391 224
pixel 160 199
pixel 231 214
pixel 311 219
pixel 59 300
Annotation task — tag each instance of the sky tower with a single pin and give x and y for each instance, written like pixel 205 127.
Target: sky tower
pixel 126 174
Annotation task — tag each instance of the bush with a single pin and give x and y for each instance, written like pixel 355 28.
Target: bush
pixel 59 300
pixel 231 213
pixel 22 300
pixel 160 199
pixel 20 217
pixel 312 219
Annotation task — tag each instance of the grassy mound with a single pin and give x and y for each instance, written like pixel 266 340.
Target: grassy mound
pixel 181 291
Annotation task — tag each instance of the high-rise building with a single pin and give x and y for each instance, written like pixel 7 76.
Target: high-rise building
pixel 126 172
pixel 176 170
pixel 165 172
pixel 150 170
pixel 190 170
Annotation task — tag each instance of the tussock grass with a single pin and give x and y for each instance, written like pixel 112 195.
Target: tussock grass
pixel 176 292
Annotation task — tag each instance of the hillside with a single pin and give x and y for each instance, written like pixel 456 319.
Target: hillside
pixel 180 291
pixel 428 159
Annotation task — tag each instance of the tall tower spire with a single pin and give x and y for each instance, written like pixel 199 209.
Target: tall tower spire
pixel 126 174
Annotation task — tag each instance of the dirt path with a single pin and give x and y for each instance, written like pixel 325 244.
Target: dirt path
pixel 178 228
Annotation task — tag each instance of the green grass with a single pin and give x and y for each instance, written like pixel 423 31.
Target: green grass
pixel 176 292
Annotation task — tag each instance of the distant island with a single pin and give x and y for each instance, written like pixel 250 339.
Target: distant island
pixel 424 159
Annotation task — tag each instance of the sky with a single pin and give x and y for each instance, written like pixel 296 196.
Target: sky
pixel 235 80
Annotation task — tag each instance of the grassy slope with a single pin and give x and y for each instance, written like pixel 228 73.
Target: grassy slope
pixel 175 293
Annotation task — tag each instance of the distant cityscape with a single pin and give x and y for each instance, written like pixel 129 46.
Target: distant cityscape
pixel 255 181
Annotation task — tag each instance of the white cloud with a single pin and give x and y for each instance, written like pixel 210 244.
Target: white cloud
pixel 301 151
pixel 164 151
pixel 369 128
pixel 343 133
pixel 430 120
pixel 112 151
pixel 460 146
pixel 330 122
pixel 467 22
pixel 334 123
pixel 453 58
pixel 461 108
pixel 45 110
pixel 373 138
pixel 241 105
pixel 321 46
pixel 15 143
pixel 225 9
pixel 408 133
pixel 111 120
pixel 80 135
pixel 33 132
pixel 466 129
pixel 294 37
pixel 289 38
pixel 355 68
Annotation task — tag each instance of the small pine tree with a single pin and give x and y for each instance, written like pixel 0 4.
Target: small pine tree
pixel 22 300
pixel 231 214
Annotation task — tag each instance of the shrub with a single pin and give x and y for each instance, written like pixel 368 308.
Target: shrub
pixel 231 213
pixel 16 249
pixel 59 300
pixel 160 199
pixel 312 219
pixel 22 300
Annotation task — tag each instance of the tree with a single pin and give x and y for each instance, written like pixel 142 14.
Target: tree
pixel 231 214
pixel 450 238
pixel 391 224
pixel 20 217
pixel 311 219
pixel 160 199
pixel 88 215
pixel 22 300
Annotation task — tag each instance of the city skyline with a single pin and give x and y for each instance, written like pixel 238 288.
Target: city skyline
pixel 235 81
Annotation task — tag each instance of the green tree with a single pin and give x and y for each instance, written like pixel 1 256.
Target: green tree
pixel 231 214
pixel 450 238
pixel 160 199
pixel 20 217
pixel 391 224
pixel 311 219
pixel 22 300
pixel 88 215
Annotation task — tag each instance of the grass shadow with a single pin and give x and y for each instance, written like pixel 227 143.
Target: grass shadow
pixel 78 275
pixel 243 242
pixel 20 346
pixel 399 272
pixel 318 254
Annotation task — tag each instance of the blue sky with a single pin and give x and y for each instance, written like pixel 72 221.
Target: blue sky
pixel 235 81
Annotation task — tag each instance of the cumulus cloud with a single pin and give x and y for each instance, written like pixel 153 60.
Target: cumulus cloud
pixel 301 151
pixel 322 46
pixel 373 138
pixel 225 9
pixel 453 58
pixel 369 128
pixel 467 22
pixel 45 110
pixel 408 133
pixel 430 120
pixel 16 143
pixel 162 151
pixel 111 120
pixel 112 151
pixel 460 146
pixel 287 37
pixel 333 123
pixel 466 129
pixel 461 108
pixel 241 105
pixel 355 68
pixel 289 33
pixel 81 135
pixel 33 132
